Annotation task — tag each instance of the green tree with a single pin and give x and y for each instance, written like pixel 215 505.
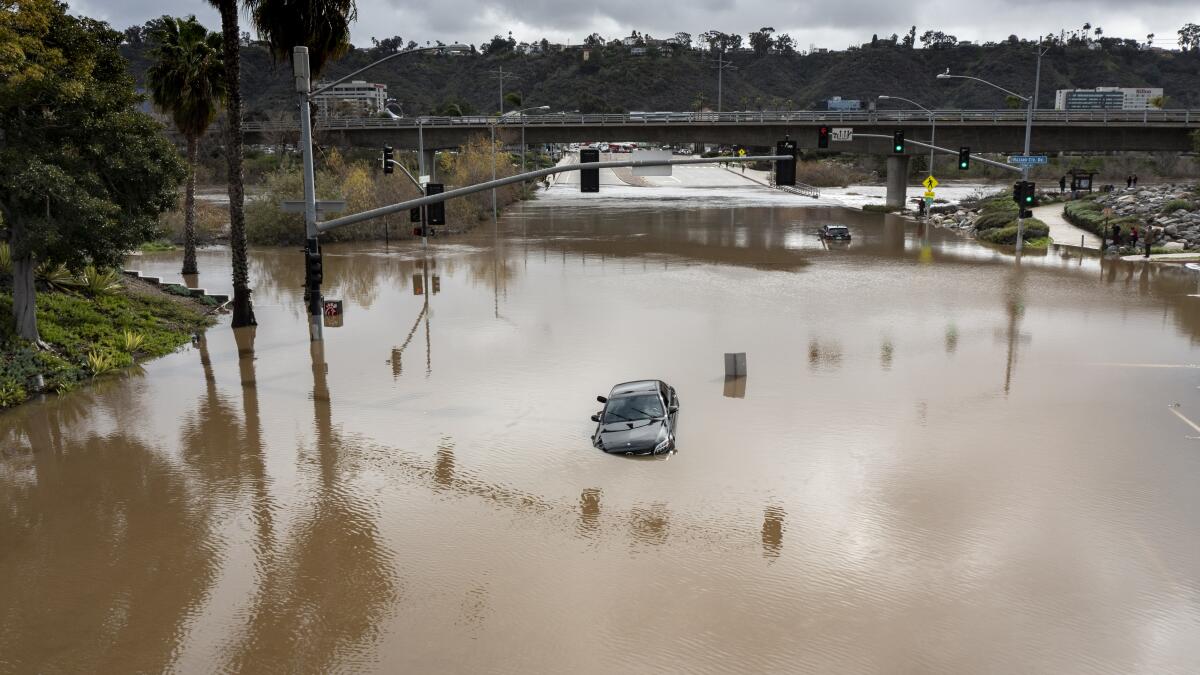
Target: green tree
pixel 83 174
pixel 243 308
pixel 1189 37
pixel 761 41
pixel 321 25
pixel 188 80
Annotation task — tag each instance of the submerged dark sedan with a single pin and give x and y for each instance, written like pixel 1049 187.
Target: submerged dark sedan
pixel 638 419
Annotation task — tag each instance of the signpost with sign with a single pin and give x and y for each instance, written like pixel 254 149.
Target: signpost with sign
pixel 842 134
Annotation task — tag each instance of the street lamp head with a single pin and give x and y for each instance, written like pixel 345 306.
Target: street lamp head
pixel 882 98
pixel 542 107
pixel 945 75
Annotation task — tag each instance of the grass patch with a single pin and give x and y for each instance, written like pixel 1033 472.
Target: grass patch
pixel 156 247
pixel 90 336
pixel 1178 205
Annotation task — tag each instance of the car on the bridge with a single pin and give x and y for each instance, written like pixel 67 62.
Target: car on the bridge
pixel 835 232
pixel 639 418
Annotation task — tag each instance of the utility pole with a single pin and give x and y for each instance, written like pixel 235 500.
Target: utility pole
pixel 501 75
pixel 721 66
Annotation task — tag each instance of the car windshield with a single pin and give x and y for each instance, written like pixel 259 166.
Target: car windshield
pixel 630 408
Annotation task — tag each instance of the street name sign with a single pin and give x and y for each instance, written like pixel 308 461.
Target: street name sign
pixel 841 134
pixel 929 194
pixel 1028 160
pixel 323 207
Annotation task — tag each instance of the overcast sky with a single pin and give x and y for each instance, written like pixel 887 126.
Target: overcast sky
pixel 832 24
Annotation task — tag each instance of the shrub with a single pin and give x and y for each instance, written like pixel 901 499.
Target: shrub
pixel 1034 229
pixel 100 282
pixel 1178 205
pixel 1089 215
pixel 133 341
pixel 100 363
pixel 998 212
pixel 11 394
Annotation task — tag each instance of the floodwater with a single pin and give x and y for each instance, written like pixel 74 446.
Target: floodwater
pixel 940 461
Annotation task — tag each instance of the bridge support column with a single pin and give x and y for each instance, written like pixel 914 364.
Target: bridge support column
pixel 897 180
pixel 429 163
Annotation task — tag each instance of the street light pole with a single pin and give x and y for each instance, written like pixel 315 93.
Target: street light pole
pixel 1028 130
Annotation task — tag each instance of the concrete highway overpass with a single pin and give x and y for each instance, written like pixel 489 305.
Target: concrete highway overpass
pixel 994 131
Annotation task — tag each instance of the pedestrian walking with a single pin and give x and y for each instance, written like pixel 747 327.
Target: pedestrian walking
pixel 1129 181
pixel 1116 235
pixel 1062 185
pixel 1135 180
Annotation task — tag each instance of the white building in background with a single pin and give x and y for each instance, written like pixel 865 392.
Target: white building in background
pixel 1106 98
pixel 356 98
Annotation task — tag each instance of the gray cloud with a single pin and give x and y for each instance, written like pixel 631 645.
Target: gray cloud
pixel 824 24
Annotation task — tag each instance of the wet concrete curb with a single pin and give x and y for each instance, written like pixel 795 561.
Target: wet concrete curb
pixel 220 298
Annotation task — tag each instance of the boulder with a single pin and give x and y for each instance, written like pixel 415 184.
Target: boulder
pixel 1174 246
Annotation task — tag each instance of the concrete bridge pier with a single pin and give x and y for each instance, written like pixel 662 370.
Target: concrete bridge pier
pixel 429 164
pixel 897 180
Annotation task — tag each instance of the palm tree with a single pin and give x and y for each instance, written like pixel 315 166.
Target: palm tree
pixel 243 310
pixel 321 25
pixel 188 79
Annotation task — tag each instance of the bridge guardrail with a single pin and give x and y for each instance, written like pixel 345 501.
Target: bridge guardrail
pixel 1007 117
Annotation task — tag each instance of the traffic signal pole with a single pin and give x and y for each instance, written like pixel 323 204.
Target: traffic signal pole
pixel 312 246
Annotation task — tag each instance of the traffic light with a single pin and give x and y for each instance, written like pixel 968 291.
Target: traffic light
pixel 414 214
pixel 785 169
pixel 387 159
pixel 589 179
pixel 823 137
pixel 1024 194
pixel 898 142
pixel 435 214
pixel 313 274
pixel 964 158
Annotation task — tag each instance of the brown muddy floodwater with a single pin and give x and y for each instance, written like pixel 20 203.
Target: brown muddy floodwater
pixel 941 461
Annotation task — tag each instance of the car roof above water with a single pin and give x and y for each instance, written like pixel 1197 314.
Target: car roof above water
pixel 635 387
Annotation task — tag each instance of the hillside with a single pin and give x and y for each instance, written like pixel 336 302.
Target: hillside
pixel 613 80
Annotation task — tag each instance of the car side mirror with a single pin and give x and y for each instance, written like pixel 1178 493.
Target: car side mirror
pixel 596 418
pixel 602 399
pixel 673 408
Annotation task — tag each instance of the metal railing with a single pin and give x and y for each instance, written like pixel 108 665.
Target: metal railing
pixel 1174 118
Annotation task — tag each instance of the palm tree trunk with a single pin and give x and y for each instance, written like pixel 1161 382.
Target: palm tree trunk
pixel 189 210
pixel 243 310
pixel 24 292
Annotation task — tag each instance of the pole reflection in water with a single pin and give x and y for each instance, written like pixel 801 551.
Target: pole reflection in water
pixel 772 531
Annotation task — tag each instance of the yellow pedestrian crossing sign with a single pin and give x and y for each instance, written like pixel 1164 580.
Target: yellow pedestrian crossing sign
pixel 930 183
pixel 741 152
